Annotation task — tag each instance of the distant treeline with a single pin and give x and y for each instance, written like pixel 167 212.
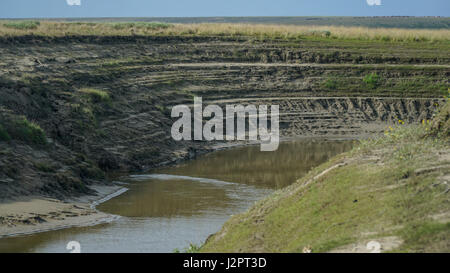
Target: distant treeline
pixel 372 22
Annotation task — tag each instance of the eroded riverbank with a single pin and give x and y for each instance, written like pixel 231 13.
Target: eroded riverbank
pixel 103 103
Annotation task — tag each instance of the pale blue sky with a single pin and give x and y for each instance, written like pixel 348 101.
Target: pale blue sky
pixel 197 8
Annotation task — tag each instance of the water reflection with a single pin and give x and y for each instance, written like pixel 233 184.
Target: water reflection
pixel 167 198
pixel 263 169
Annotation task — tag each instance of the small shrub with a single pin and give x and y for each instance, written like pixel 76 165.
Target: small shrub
pixel 27 131
pixel 331 83
pixel 23 24
pixel 192 248
pixel 372 80
pixel 4 136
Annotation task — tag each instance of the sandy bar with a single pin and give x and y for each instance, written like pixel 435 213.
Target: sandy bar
pixel 29 215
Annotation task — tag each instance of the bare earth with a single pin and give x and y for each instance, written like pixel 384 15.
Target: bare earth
pixel 37 214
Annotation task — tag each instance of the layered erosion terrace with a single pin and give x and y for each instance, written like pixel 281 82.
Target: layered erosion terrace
pixel 75 108
pixel 388 194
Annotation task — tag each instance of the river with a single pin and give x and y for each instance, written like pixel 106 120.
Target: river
pixel 172 207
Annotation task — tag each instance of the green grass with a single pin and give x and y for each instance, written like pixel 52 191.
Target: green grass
pixel 426 237
pixel 389 85
pixel 440 125
pixel 30 132
pixel 163 109
pixel 331 83
pixel 418 84
pixel 23 25
pixel 380 192
pixel 145 25
pixel 372 80
pixel 192 248
pixel 96 94
pixel 319 33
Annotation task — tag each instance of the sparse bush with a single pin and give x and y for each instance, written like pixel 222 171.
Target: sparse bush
pixel 372 80
pixel 29 132
pixel 4 136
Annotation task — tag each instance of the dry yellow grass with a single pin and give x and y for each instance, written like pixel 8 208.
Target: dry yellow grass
pixel 290 31
pixel 209 29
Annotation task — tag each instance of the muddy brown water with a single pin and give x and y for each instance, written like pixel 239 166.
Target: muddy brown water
pixel 172 207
